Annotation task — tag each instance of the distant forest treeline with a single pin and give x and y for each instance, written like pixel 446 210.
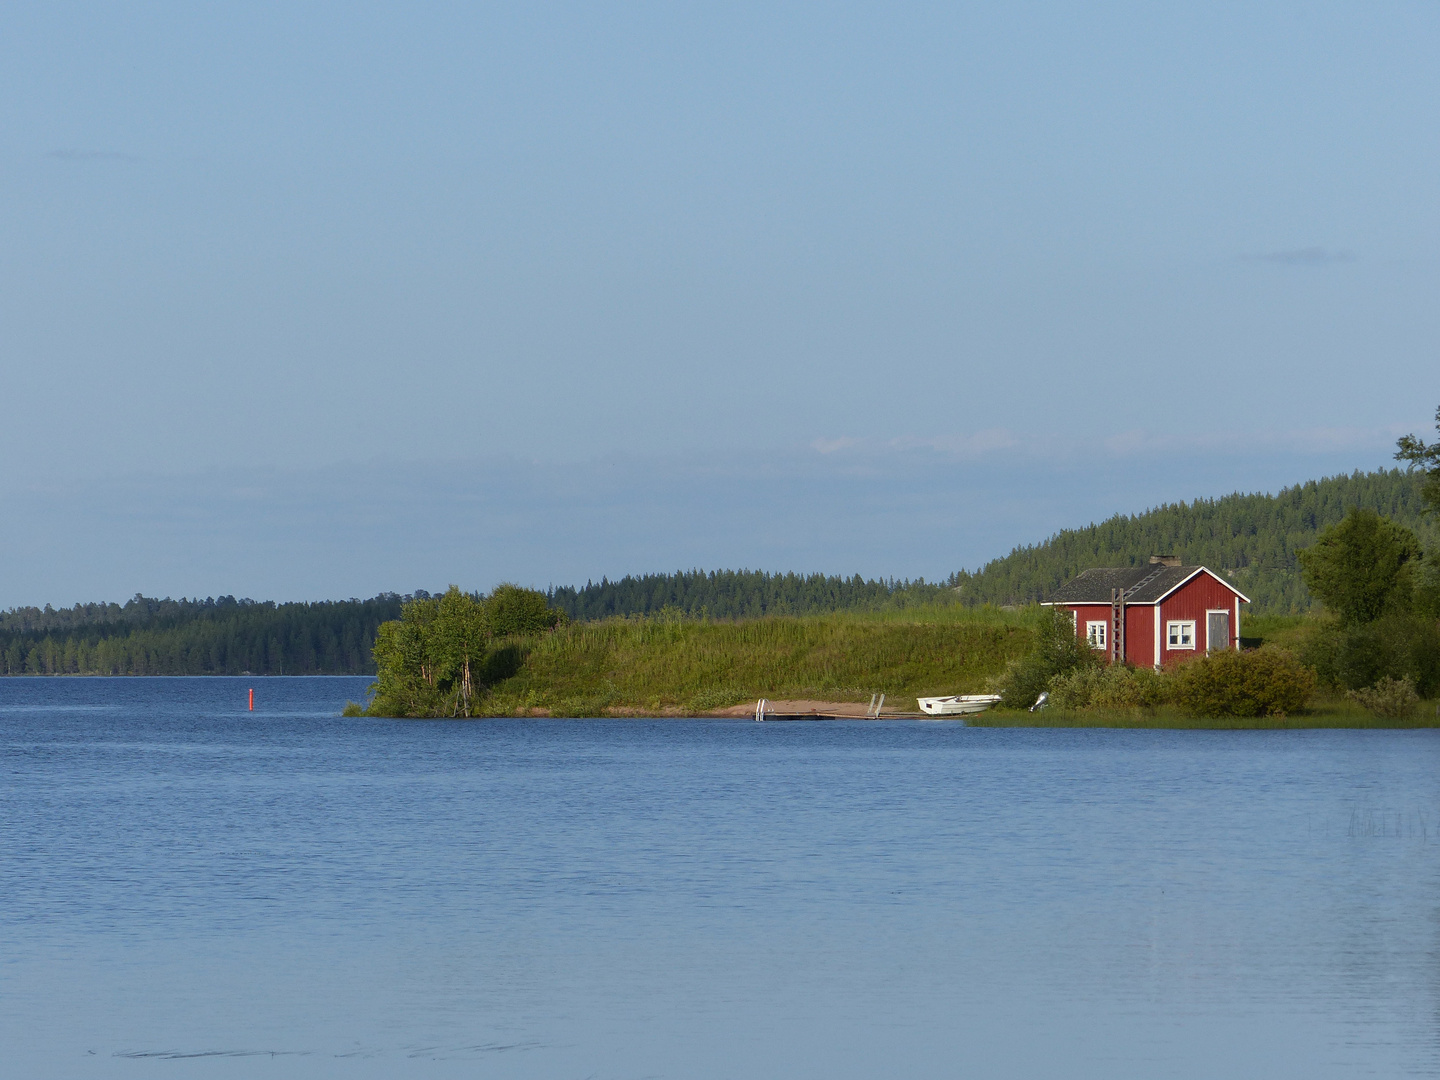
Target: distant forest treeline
pixel 737 594
pixel 225 636
pixel 1251 538
pixel 218 636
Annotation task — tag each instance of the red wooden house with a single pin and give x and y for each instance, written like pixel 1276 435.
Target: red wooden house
pixel 1156 614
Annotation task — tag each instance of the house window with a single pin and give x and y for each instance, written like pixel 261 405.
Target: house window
pixel 1181 634
pixel 1095 634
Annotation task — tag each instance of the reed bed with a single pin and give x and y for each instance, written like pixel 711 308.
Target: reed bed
pixel 1322 713
pixel 668 665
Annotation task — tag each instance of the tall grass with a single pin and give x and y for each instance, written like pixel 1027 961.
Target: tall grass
pixel 1323 713
pixel 668 665
pixel 1283 631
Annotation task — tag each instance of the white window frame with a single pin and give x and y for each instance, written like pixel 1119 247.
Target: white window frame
pixel 1174 631
pixel 1097 640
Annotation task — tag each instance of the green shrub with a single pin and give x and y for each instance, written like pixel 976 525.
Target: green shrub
pixel 1058 651
pixel 1094 686
pixel 1155 688
pixel 1230 683
pixel 1394 699
pixel 516 612
pixel 1395 647
pixel 1116 686
pixel 1074 690
pixel 715 697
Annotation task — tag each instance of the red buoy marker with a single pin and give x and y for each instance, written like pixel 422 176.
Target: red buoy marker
pixel 252 699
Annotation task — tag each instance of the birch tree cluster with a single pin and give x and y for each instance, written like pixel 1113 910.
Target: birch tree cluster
pixel 436 659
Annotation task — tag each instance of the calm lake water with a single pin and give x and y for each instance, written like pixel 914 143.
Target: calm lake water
pixel 188 889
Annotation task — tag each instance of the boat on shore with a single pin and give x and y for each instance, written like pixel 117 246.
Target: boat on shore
pixel 957 705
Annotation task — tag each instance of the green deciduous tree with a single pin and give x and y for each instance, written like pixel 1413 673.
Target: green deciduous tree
pixel 434 660
pixel 1058 651
pixel 1363 568
pixel 1426 458
pixel 1396 647
pixel 461 637
pixel 406 682
pixel 521 612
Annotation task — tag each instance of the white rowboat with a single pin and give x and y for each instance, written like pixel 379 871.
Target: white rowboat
pixel 959 705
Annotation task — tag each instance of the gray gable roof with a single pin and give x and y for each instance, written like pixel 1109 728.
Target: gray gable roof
pixel 1142 584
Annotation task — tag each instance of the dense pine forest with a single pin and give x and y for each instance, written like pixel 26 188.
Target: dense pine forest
pixel 1251 538
pixel 221 636
pixel 738 594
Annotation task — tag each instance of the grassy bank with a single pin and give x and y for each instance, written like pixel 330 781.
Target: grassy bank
pixel 1280 631
pixel 1322 713
pixel 660 666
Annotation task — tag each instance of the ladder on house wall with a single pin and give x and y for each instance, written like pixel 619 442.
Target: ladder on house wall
pixel 1117 625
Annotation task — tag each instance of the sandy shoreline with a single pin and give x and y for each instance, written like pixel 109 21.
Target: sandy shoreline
pixel 845 710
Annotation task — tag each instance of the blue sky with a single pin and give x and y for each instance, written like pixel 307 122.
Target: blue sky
pixel 318 300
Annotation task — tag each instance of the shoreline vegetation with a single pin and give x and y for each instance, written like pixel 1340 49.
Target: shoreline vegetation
pixel 668 666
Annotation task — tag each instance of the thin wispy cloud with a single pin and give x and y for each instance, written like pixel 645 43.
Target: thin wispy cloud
pixel 1002 445
pixel 91 155
pixel 1309 256
pixel 967 444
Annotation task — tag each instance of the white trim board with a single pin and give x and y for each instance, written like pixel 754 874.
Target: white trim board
pixel 1158 663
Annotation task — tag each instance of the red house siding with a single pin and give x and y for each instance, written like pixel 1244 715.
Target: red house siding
pixel 1093 613
pixel 1190 602
pixel 1140 634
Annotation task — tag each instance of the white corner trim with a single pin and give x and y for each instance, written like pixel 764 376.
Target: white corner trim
pixel 1158 654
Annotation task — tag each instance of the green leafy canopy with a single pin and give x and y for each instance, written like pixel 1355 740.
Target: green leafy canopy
pixel 432 660
pixel 1363 568
pixel 1426 458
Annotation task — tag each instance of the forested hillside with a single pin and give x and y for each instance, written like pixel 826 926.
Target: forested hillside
pixel 221 636
pixel 1251 538
pixel 737 594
